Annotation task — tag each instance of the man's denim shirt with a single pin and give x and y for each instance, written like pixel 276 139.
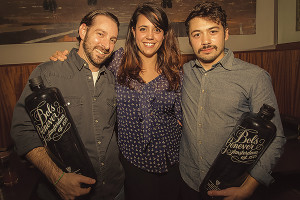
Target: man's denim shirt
pixel 93 109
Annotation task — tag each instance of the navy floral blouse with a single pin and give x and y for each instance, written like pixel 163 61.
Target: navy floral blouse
pixel 148 115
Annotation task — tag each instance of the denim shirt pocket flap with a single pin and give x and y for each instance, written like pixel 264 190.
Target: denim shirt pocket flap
pixel 74 105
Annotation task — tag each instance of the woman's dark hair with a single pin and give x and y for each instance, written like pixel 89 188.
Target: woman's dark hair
pixel 88 19
pixel 168 55
pixel 209 10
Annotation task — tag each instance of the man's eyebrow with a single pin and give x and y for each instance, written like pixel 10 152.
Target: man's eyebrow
pixel 114 37
pixel 213 27
pixel 217 27
pixel 99 29
pixel 142 26
pixel 195 31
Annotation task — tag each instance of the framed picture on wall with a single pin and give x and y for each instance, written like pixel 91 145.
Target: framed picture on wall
pixel 44 21
pixel 288 21
pixel 32 30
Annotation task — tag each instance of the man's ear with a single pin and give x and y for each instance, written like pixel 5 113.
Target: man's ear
pixel 226 34
pixel 82 31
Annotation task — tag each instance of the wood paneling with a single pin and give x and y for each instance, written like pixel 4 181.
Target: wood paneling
pixel 12 81
pixel 283 66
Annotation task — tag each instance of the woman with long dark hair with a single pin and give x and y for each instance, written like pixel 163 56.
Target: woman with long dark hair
pixel 148 106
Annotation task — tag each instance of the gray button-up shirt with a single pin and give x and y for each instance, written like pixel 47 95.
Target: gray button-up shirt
pixel 212 103
pixel 93 109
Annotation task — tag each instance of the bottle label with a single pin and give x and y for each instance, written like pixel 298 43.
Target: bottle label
pixel 50 120
pixel 244 145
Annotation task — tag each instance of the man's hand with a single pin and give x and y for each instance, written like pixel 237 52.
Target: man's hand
pixel 69 188
pixel 58 55
pixel 233 193
pixel 237 193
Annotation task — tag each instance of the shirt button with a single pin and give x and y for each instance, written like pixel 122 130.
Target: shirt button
pixel 102 164
pixel 202 91
pixel 200 125
pixel 202 171
pixel 89 78
pixel 99 142
pixel 103 182
pixel 94 99
pixel 205 74
pixel 96 121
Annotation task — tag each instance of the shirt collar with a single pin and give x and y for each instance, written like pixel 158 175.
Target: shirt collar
pixel 225 62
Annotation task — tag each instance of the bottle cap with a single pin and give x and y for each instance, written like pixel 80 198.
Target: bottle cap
pixel 267 111
pixel 36 81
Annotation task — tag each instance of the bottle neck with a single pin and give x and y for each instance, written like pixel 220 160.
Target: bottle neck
pixel 38 87
pixel 264 116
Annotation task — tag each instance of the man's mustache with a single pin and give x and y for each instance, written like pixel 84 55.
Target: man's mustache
pixel 207 47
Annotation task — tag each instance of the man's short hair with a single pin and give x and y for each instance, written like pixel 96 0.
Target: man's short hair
pixel 88 19
pixel 208 10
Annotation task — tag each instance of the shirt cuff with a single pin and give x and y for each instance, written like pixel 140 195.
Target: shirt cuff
pixel 22 150
pixel 261 175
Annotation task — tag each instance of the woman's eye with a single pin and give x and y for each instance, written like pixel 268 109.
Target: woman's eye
pixel 157 30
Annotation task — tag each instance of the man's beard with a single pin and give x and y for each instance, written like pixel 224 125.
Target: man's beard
pixel 88 49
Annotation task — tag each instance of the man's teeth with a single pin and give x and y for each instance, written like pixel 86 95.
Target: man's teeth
pixel 149 44
pixel 99 51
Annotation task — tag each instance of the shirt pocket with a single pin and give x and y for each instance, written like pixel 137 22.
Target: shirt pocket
pixel 74 105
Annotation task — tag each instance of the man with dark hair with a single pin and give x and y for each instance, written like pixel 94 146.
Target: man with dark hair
pixel 217 90
pixel 88 89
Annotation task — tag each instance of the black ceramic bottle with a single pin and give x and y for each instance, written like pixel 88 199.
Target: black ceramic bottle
pixel 249 139
pixel 55 127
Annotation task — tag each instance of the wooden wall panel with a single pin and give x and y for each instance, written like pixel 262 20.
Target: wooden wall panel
pixel 283 66
pixel 12 81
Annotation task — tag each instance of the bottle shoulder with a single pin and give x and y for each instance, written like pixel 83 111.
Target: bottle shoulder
pixel 256 121
pixel 43 93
